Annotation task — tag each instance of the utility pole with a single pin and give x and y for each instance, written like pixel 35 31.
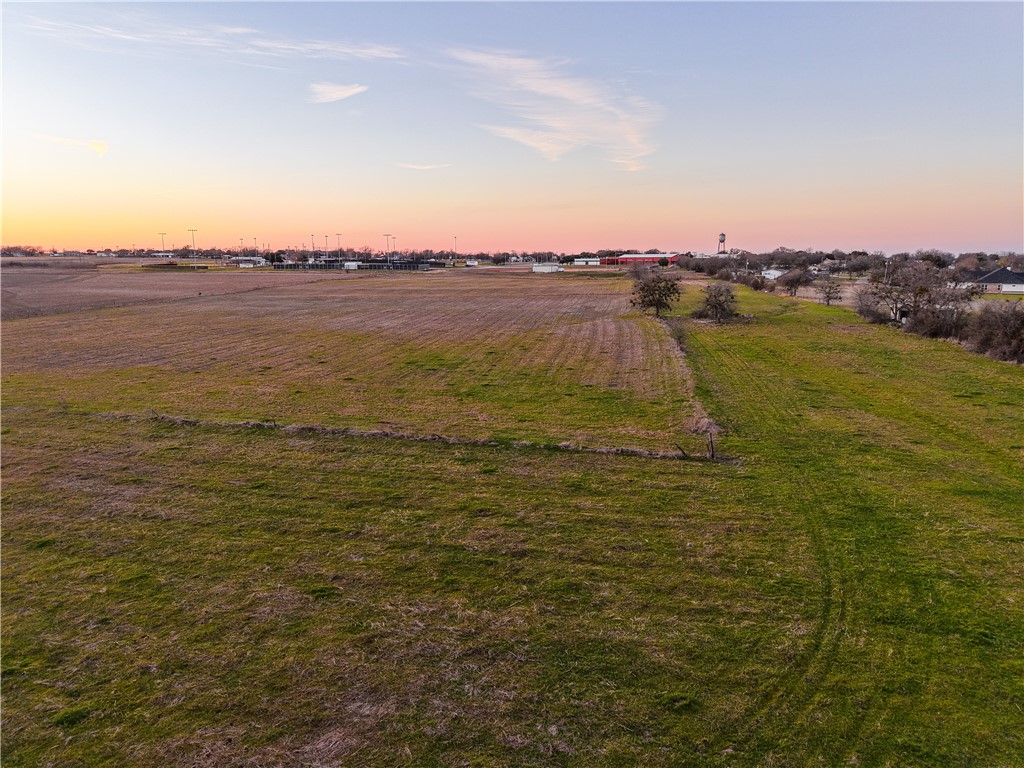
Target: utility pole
pixel 193 231
pixel 162 248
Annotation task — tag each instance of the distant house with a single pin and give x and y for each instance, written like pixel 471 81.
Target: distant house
pixel 773 274
pixel 1001 280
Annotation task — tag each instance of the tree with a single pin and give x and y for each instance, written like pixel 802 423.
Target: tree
pixel 938 259
pixel 655 292
pixel 902 286
pixel 918 293
pixel 795 279
pixel 719 303
pixel 829 290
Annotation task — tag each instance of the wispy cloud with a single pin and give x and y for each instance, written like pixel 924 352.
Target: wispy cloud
pixel 97 146
pixel 158 33
pixel 324 93
pixel 423 166
pixel 557 112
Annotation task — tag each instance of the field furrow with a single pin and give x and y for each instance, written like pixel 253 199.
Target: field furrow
pixel 476 356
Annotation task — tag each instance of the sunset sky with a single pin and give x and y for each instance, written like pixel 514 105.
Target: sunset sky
pixel 515 126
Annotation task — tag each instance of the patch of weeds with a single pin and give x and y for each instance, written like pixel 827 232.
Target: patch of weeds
pixel 42 543
pixel 71 717
pixel 322 592
pixel 11 671
pixel 679 701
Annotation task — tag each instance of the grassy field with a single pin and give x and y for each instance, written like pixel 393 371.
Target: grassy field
pixel 1003 297
pixel 847 589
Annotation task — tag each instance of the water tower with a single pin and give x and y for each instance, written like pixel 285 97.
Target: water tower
pixel 721 243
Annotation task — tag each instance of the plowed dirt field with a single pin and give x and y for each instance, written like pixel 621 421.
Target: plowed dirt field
pixel 504 356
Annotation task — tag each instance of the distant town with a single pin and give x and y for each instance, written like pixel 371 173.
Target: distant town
pixel 781 257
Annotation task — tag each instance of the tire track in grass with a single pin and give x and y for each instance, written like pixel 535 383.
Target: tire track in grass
pixel 792 696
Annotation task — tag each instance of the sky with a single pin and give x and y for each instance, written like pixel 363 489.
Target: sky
pixel 521 126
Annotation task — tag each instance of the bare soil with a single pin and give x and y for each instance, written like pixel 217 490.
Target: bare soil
pixel 34 288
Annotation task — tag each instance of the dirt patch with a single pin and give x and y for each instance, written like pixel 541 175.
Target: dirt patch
pixel 35 289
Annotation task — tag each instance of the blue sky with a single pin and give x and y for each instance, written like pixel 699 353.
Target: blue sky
pixel 563 126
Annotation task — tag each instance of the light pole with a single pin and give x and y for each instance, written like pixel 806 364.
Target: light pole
pixel 162 248
pixel 193 231
pixel 339 243
pixel 455 253
pixel 387 246
pixel 312 248
pixel 325 248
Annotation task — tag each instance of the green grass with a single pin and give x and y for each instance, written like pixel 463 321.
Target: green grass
pixel 1003 296
pixel 850 587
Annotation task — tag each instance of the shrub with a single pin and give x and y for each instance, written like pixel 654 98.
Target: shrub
pixel 997 330
pixel 719 303
pixel 870 308
pixel 937 322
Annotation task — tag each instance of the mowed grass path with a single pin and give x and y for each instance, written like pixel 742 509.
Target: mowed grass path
pixel 473 356
pixel 849 592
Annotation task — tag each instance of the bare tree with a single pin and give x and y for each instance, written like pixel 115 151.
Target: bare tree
pixel 903 286
pixel 708 428
pixel 918 293
pixel 829 290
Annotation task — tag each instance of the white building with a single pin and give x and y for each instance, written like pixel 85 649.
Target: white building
pixel 248 261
